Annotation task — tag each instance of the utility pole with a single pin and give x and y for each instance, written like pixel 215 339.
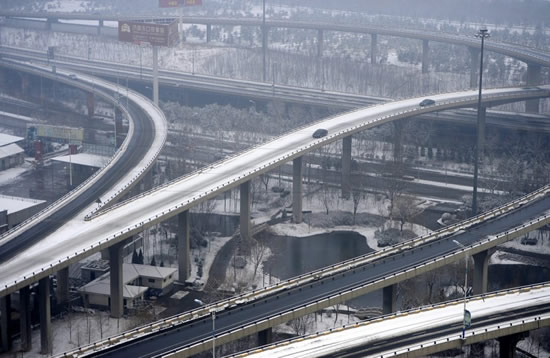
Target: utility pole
pixel 483 34
pixel 264 43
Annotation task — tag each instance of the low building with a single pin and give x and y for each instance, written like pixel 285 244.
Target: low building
pixel 11 156
pixel 137 280
pixel 19 209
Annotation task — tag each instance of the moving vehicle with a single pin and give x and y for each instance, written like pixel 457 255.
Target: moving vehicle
pixel 427 102
pixel 319 133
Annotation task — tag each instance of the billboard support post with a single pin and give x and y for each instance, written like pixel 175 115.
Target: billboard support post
pixel 155 75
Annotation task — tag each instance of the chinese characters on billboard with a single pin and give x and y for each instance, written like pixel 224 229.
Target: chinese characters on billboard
pixel 154 33
pixel 178 3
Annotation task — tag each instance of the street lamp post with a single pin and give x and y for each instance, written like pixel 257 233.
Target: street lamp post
pixel 483 34
pixel 264 40
pixel 465 290
pixel 213 312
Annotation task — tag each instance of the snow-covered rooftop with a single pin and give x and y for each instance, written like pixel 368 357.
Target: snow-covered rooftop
pixel 6 139
pixel 14 204
pixel 86 159
pixel 10 150
pixel 130 273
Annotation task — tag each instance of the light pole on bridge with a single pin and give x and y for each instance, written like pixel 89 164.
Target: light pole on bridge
pixel 483 34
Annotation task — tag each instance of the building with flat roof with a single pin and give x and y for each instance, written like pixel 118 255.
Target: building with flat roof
pixel 19 209
pixel 11 156
pixel 137 280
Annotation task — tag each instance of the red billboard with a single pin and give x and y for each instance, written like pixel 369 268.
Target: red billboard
pixel 169 3
pixel 178 3
pixel 192 2
pixel 154 33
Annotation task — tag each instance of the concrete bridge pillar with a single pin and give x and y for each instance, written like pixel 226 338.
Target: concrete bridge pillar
pixel 507 344
pixel 265 31
pixel 44 307
pixel 474 65
pixel 533 79
pixel 184 260
pixel 319 43
pixel 297 177
pixel 25 318
pixel 265 337
pixel 62 291
pixel 245 211
pixel 117 293
pixel 373 48
pixel 91 104
pixel 208 33
pixel 5 324
pixel 480 148
pixel 346 167
pixel 425 56
pixel 99 27
pixel 119 137
pixel 389 304
pixel 481 269
pixel 25 84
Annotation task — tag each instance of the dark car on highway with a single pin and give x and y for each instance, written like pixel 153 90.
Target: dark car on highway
pixel 427 102
pixel 319 133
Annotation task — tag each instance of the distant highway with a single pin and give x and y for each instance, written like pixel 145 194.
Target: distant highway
pixel 266 91
pixel 522 53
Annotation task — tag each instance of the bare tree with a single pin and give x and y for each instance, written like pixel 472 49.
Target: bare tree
pixel 404 209
pixel 301 324
pixel 258 252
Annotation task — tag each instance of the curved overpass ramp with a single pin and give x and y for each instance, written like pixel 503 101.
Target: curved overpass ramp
pixel 128 218
pixel 146 136
pixel 425 330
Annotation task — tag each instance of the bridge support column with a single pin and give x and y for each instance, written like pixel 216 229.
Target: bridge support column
pixel 208 33
pixel 478 154
pixel 481 270
pixel 346 167
pixel 508 344
pixel 425 56
pixel 156 75
pixel 115 265
pixel 44 307
pixel 297 177
pixel 319 43
pixel 91 104
pixel 184 260
pixel 373 48
pixel 62 291
pixel 5 326
pixel 533 79
pixel 25 318
pixel 119 137
pixel 265 337
pixel 245 211
pixel 389 304
pixel 265 30
pixel 100 27
pixel 474 65
pixel 25 84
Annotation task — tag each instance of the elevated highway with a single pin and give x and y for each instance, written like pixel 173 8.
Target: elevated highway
pixel 317 290
pixel 425 330
pixel 528 55
pixel 146 136
pixel 265 91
